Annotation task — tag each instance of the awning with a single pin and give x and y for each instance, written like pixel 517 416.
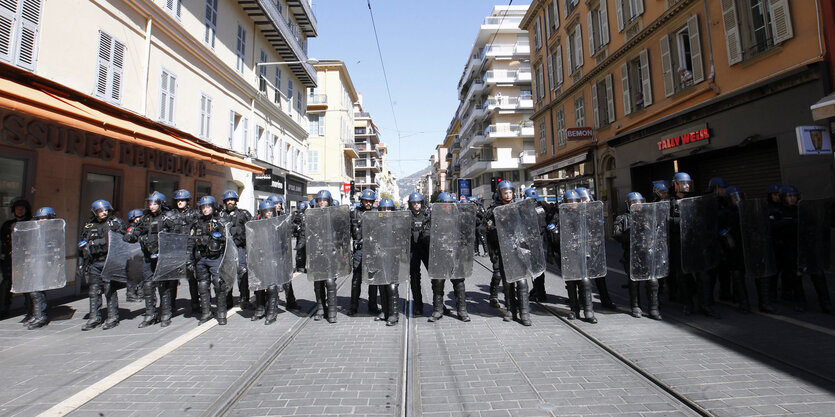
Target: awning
pixel 57 106
pixel 576 159
pixel 824 108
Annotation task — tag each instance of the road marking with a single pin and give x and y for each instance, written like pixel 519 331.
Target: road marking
pixel 70 404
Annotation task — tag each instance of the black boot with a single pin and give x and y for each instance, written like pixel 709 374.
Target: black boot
pixel 330 289
pixel 384 300
pixel 393 293
pixel 538 291
pixel 165 303
pixel 461 299
pixel 588 302
pixel 417 298
pixel 150 304
pixel 195 297
pixel 603 291
pixel 635 299
pixel 27 303
pixel 437 300
pixel 260 305
pixel 523 302
pixel 272 305
pixel 740 290
pixel 372 299
pixel 38 310
pixel 704 293
pixel 204 290
pixel 573 300
pixel 652 293
pixel 173 285
pixel 94 292
pixel 356 287
pixel 495 281
pixel 243 288
pixel 319 290
pixel 819 282
pixel 509 301
pixel 290 297
pixel 112 299
pixel 222 298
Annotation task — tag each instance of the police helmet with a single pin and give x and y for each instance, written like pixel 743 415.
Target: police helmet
pixel 386 204
pixel 182 195
pixel 368 194
pixel 276 199
pixel 230 195
pixel 788 190
pixel 445 198
pixel 415 197
pixel 266 205
pixel 583 193
pixel 716 182
pixel 735 195
pixel 505 184
pixel 156 197
pixel 773 188
pixel 473 199
pixel 45 213
pixel 312 202
pixel 683 183
pixel 302 206
pixel 324 195
pixel 634 198
pixel 659 187
pixel 531 193
pixel 98 205
pixel 571 196
pixel 207 200
pixel 133 214
pixel 335 203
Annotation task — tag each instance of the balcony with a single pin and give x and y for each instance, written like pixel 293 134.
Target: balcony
pixel 317 102
pixel 362 115
pixel 303 13
pixel 367 164
pixel 476 87
pixel 528 157
pixel 507 76
pixel 509 22
pixel 509 103
pixel 281 36
pixel 509 130
pixel 506 51
pixel 363 147
pixel 350 150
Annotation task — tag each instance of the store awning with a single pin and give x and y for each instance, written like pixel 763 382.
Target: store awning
pixel 57 106
pixel 824 108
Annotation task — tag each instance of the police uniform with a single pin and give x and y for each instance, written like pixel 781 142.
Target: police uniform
pixel 180 221
pixel 208 237
pixel 237 219
pixel 94 235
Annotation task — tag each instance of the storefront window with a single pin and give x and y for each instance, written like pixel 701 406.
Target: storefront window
pixel 12 184
pixel 201 189
pixel 165 184
pixel 100 184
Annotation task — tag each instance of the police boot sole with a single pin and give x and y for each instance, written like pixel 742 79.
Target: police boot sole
pixel 164 323
pixel 494 303
pixel 145 324
pixel 90 326
pixel 221 321
pixel 269 321
pixel 435 317
pixel 36 324
pixel 110 325
pixel 464 317
pixel 391 323
pixel 655 316
pixel 637 313
pixel 526 322
pixel 331 320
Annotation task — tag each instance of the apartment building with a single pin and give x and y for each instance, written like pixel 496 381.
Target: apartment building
pixel 133 96
pixel 332 151
pixel 368 168
pixel 631 91
pixel 495 136
pixel 387 180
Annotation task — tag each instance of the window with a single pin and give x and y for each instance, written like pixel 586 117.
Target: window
pixel 540 82
pixel 167 95
pixel 317 124
pixel 754 26
pixel 210 20
pixel 635 82
pixel 542 147
pixel 262 73
pixel 240 49
pixel 598 19
pixel 173 7
pixel 111 62
pixel 299 103
pixel 580 111
pixel 537 37
pixel 628 11
pixel 244 135
pixel 261 142
pixel 277 86
pixel 560 128
pixel 271 139
pixel 15 180
pixel 681 58
pixel 234 121
pixel 552 17
pixel 575 49
pixel 556 64
pixel 289 96
pixel 569 6
pixel 205 115
pixel 20 23
pixel 603 102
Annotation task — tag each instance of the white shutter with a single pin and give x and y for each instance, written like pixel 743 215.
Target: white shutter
pixel 695 49
pixel 8 10
pixel 646 85
pixel 667 66
pixel 103 64
pixel 558 60
pixel 781 23
pixel 550 67
pixel 117 67
pixel 244 135
pixel 231 129
pixel 202 116
pixel 30 18
pixel 732 41
pixel 578 39
pixel 603 14
pixel 556 15
pixel 564 8
pixel 594 110
pixel 321 125
pixel 619 12
pixel 610 98
pixel 627 96
pixel 172 91
pixel 163 96
pixel 569 53
pixel 639 7
pixel 591 33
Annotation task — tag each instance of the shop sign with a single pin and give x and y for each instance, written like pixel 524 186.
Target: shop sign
pixel 579 133
pixel 296 188
pixel 693 136
pixel 346 188
pixel 269 182
pixel 37 134
pixel 813 140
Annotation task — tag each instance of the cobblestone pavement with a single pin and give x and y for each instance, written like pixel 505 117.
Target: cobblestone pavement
pixel 743 364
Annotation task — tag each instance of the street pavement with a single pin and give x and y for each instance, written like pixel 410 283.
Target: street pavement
pixel 742 364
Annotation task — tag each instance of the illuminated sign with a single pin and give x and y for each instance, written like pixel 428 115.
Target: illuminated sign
pixel 694 136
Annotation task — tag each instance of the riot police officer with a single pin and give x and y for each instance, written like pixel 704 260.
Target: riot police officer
pixel 237 218
pixel 367 198
pixel 265 299
pixel 458 286
pixel 21 212
pixel 622 227
pixel 578 290
pixel 538 292
pixel 661 191
pixel 600 283
pixel 298 233
pixel 717 187
pixel 419 248
pixel 133 289
pixel 179 220
pixel 279 203
pixel 775 207
pixel 146 233
pixel 93 246
pixel 36 301
pixel 208 237
pixel 389 293
pixel 326 290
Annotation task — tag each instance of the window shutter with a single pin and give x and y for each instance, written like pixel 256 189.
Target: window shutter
pixel 103 63
pixel 30 18
pixel 172 90
pixel 646 85
pixel 610 98
pixel 163 96
pixel 231 129
pixel 8 10
pixel 202 116
pixel 564 8
pixel 781 24
pixel 321 125
pixel 118 66
pixel 244 135
pixel 558 67
pixel 695 49
pixel 639 7
pixel 591 33
pixel 569 53
pixel 627 96
pixel 556 15
pixel 667 66
pixel 550 66
pixel 594 110
pixel 732 41
pixel 619 12
pixel 603 13
pixel 578 38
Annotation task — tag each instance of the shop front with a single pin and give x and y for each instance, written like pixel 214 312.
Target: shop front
pixel 296 189
pixel 264 185
pixel 553 180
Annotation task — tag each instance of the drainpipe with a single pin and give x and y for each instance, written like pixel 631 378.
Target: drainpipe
pixel 148 27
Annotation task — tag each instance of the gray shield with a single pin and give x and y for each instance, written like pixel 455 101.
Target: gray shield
pixel 700 248
pixel 814 226
pixel 582 248
pixel 172 257
pixel 328 242
pixel 268 252
pixel 520 240
pixel 38 255
pixel 385 246
pixel 648 248
pixel 228 268
pixel 124 260
pixel 757 244
pixel 451 237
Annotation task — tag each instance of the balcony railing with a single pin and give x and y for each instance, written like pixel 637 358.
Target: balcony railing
pixel 365 114
pixel 291 39
pixel 503 20
pixel 314 99
pixel 364 163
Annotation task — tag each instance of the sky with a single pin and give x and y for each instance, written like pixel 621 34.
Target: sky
pixel 425 45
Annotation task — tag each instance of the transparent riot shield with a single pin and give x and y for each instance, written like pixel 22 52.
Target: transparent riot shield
pixel 520 240
pixel 648 241
pixel 757 243
pixel 700 248
pixel 262 261
pixel 814 230
pixel 172 257
pixel 228 268
pixel 38 255
pixel 328 242
pixel 582 248
pixel 385 246
pixel 451 239
pixel 284 249
pixel 122 259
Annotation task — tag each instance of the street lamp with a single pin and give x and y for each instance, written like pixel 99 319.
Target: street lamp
pixel 311 61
